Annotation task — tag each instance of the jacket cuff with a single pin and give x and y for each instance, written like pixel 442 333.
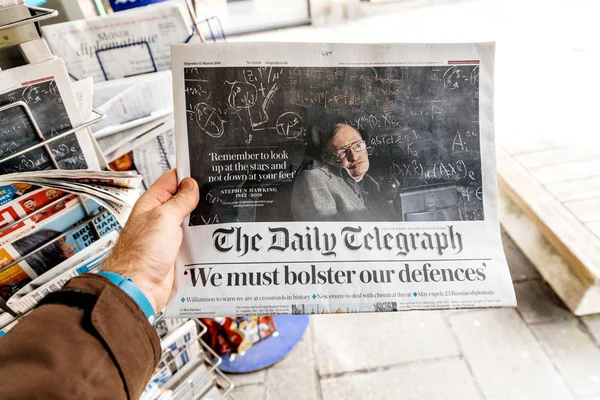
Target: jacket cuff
pixel 123 327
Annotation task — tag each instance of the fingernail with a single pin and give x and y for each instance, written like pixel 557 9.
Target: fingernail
pixel 187 185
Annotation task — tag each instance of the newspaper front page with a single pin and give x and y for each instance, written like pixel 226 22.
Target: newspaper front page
pixel 337 178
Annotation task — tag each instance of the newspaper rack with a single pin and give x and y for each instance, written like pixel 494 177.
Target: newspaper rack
pixel 193 390
pixel 38 14
pixel 189 386
pixel 143 42
pixel 195 31
pixel 195 385
pixel 44 144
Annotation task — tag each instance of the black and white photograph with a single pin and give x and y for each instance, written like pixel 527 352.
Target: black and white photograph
pixel 362 143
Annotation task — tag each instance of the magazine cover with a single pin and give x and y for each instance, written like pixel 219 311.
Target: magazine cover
pixel 337 178
pixel 181 351
pixel 84 261
pixel 55 231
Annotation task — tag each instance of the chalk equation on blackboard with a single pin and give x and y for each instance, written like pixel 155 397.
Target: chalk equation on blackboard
pixel 242 95
pixel 207 119
pixel 455 76
pixel 289 124
pixel 248 98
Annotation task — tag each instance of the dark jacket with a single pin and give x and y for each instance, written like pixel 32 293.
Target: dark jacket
pixel 60 352
pixel 322 194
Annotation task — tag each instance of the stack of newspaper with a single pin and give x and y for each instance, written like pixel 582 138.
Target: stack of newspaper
pixel 127 55
pixel 115 191
pixel 138 109
pixel 55 225
pixel 138 133
pixel 60 209
pixel 187 368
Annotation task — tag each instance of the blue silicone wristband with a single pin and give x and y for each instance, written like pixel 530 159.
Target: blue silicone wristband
pixel 133 291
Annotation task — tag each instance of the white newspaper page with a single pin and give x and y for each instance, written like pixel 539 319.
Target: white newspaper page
pixel 124 142
pixel 156 157
pixel 337 178
pixel 138 101
pixel 123 44
pixel 106 90
pixel 84 93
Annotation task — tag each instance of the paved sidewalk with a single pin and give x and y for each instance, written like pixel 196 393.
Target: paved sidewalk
pixel 536 351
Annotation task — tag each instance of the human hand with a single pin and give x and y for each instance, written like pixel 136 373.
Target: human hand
pixel 149 242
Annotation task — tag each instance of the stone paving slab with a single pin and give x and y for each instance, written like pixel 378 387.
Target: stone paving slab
pixel 301 355
pixel 592 322
pixel 250 392
pixel 505 357
pixel 297 383
pixel 445 379
pixel 574 354
pixel 537 302
pixel 252 378
pixel 352 342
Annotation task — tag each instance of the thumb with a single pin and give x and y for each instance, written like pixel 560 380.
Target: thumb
pixel 184 201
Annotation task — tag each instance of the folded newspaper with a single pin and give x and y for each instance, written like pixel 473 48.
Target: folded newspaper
pixel 142 100
pixel 115 190
pixel 116 145
pixel 138 110
pixel 151 157
pixel 38 101
pixel 337 178
pixel 59 214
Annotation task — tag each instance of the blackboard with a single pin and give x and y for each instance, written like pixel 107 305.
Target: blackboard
pixel 422 124
pixel 17 132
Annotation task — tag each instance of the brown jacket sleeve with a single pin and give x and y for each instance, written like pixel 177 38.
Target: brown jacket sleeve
pixel 61 352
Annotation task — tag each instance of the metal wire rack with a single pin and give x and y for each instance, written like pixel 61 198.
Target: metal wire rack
pixel 200 373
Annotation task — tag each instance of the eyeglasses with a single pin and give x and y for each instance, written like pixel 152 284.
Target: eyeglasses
pixel 339 155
